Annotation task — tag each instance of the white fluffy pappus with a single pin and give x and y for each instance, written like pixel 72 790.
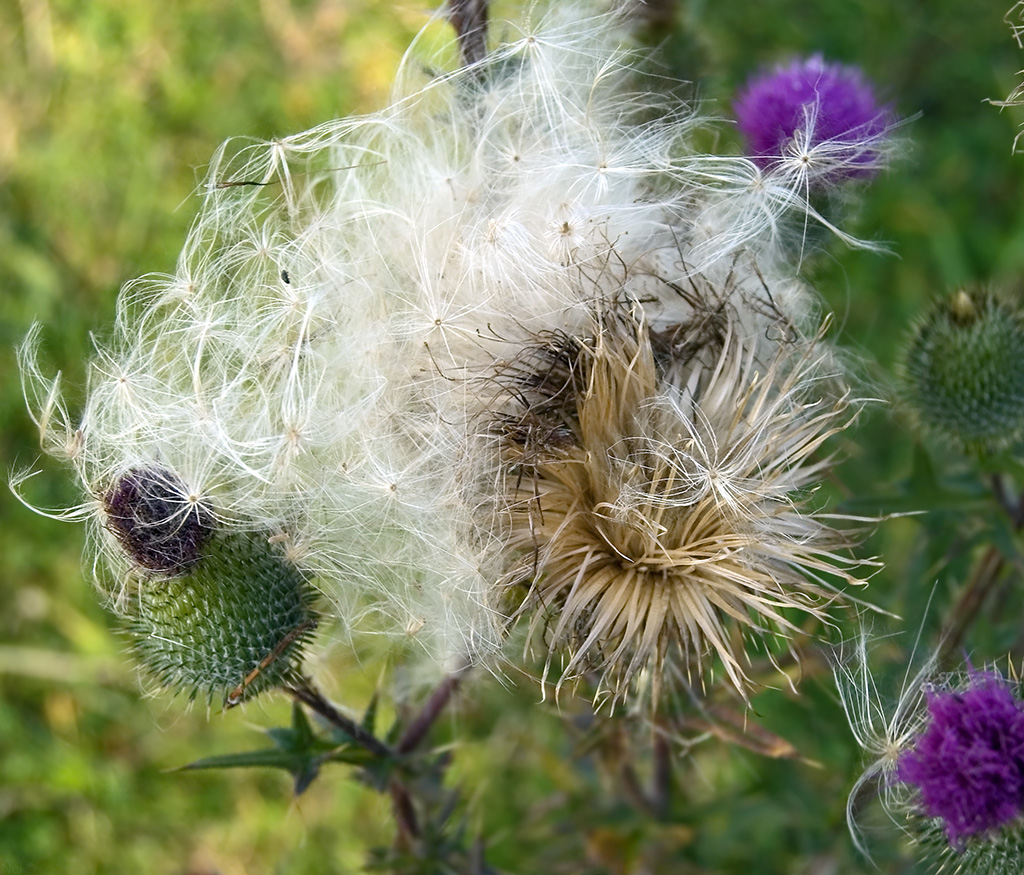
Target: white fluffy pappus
pixel 885 722
pixel 318 364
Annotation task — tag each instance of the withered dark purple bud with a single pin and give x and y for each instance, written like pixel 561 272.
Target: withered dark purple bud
pixel 469 18
pixel 160 526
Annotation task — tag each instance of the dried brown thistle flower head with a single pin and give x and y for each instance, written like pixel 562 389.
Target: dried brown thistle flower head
pixel 660 504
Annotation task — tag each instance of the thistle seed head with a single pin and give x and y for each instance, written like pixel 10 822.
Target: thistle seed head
pixel 315 362
pixel 670 518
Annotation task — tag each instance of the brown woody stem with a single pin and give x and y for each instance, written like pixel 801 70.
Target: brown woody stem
pixel 469 18
pixel 983 580
pixel 420 726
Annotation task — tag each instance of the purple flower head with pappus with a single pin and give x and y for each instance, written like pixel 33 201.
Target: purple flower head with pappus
pixel 968 765
pixel 821 121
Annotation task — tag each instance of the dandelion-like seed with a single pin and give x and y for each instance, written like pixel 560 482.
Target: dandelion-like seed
pixel 659 499
pixel 969 763
pixel 882 729
pixel 821 120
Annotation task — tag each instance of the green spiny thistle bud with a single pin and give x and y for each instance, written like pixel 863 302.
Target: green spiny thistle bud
pixel 234 625
pixel 216 612
pixel 992 853
pixel 963 372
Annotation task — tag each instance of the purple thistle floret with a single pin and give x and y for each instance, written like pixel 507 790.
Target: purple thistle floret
pixel 814 112
pixel 969 764
pixel 149 512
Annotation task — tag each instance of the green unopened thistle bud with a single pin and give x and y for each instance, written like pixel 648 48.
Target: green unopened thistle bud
pixel 963 372
pixel 217 613
pixel 232 627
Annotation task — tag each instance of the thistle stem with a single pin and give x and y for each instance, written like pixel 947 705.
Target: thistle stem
pixel 420 726
pixel 1014 509
pixel 661 778
pixel 469 18
pixel 303 691
pixel 634 791
pixel 967 607
pixel 405 814
pixel 983 580
pixel 402 803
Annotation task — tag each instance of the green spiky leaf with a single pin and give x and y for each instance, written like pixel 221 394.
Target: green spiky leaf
pixel 296 749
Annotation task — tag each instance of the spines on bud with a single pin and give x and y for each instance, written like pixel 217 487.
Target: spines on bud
pixel 962 378
pixel 232 627
pixel 993 853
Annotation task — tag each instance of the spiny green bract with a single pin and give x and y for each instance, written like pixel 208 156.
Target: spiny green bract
pixel 233 626
pixel 995 853
pixel 963 372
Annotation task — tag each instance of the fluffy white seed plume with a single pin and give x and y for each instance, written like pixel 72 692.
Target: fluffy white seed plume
pixel 321 364
pixel 883 726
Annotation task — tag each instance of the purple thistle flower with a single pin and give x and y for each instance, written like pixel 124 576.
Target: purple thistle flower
pixel 824 117
pixel 969 763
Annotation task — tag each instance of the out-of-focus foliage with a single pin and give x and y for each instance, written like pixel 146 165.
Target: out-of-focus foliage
pixel 110 110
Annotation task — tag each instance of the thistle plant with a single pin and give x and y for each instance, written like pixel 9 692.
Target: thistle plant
pixel 513 374
pixel 951 767
pixel 820 122
pixel 321 367
pixel 961 376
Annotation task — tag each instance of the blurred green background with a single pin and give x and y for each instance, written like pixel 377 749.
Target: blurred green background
pixel 108 111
